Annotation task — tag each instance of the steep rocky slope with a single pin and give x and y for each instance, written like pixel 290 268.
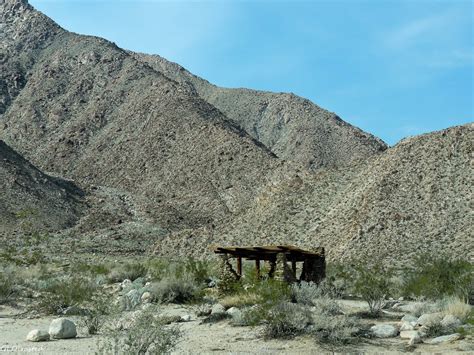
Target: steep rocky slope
pixel 416 197
pixel 33 201
pixel 292 127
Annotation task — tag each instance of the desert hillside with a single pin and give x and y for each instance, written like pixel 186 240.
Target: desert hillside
pixel 171 163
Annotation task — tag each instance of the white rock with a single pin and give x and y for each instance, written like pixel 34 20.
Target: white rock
pixel 37 335
pixel 125 283
pixel 444 339
pixel 186 318
pixel 450 322
pixel 384 330
pixel 406 326
pixel 62 328
pixel 415 340
pixel 401 299
pixel 147 297
pixel 409 318
pixel 234 311
pixel 429 318
pixel 408 334
pixel 217 308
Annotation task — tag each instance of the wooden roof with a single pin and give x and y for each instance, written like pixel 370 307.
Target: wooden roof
pixel 269 252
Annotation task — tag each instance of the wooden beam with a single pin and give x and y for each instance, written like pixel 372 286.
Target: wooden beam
pixel 257 267
pixel 293 267
pixel 239 265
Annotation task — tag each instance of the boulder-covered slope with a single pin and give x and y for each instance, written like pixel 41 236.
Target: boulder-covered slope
pixel 415 198
pixel 292 127
pixel 33 201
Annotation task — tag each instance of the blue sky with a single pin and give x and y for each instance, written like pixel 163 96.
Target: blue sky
pixel 392 68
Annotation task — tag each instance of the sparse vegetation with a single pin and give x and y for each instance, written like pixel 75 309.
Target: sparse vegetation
pixel 6 286
pixel 174 290
pixel 335 330
pixel 286 320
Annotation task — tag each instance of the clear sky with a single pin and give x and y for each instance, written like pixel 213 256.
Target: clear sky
pixel 392 68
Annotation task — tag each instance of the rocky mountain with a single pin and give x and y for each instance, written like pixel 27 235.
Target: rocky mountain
pixel 33 201
pixel 293 128
pixel 416 197
pixel 166 160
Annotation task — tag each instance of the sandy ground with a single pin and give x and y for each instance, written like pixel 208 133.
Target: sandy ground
pixel 218 338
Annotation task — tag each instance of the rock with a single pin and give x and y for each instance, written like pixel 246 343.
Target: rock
pixel 406 326
pixel 132 299
pixel 401 299
pixel 62 328
pixel 444 339
pixel 74 311
pixel 139 281
pixel 415 340
pixel 450 322
pixel 125 284
pixel 384 330
pixel 217 308
pixel 186 318
pixel 409 318
pixel 146 297
pixel 37 335
pixel 408 334
pixel 429 318
pixel 234 312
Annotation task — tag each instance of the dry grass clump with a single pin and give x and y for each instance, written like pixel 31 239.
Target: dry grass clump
pixel 6 285
pixel 335 330
pixel 240 300
pixel 453 305
pixel 174 290
pixel 286 320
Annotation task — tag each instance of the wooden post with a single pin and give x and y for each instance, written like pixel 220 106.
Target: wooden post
pixel 257 267
pixel 293 267
pixel 239 266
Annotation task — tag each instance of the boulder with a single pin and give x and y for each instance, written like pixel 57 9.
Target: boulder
pixel 132 299
pixel 234 312
pixel 406 326
pixel 384 331
pixel 450 322
pixel 125 283
pixel 186 318
pixel 217 308
pixel 408 334
pixel 62 328
pixel 415 340
pixel 37 335
pixel 429 318
pixel 409 318
pixel 146 297
pixel 444 339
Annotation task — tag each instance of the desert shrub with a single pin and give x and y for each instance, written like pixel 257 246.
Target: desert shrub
pixel 455 306
pixel 305 292
pixel 91 269
pixel 130 270
pixel 339 280
pixel 372 283
pixel 58 294
pixel 286 320
pixel 172 290
pixel 6 286
pixel 200 270
pixel 423 307
pixel 147 335
pixel 335 330
pixel 436 276
pixel 241 299
pixel 98 310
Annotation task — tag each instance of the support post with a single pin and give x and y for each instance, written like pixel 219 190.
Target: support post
pixel 239 266
pixel 257 267
pixel 293 267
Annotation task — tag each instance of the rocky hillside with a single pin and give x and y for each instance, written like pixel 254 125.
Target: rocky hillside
pixel 33 201
pixel 414 198
pixel 293 128
pixel 168 160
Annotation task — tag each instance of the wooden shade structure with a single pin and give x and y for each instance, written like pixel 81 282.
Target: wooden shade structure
pixel 314 265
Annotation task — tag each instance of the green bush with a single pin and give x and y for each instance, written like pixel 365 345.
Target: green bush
pixel 286 320
pixel 98 311
pixel 147 335
pixel 172 290
pixel 335 330
pixel 130 271
pixel 6 286
pixel 373 284
pixel 57 294
pixel 436 277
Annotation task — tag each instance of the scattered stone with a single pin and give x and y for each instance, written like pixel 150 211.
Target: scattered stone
pixel 62 328
pixel 146 297
pixel 186 318
pixel 132 299
pixel 429 318
pixel 408 334
pixel 406 326
pixel 74 311
pixel 409 318
pixel 125 284
pixel 234 312
pixel 415 340
pixel 384 330
pixel 450 322
pixel 217 308
pixel 37 335
pixel 444 339
pixel 139 281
